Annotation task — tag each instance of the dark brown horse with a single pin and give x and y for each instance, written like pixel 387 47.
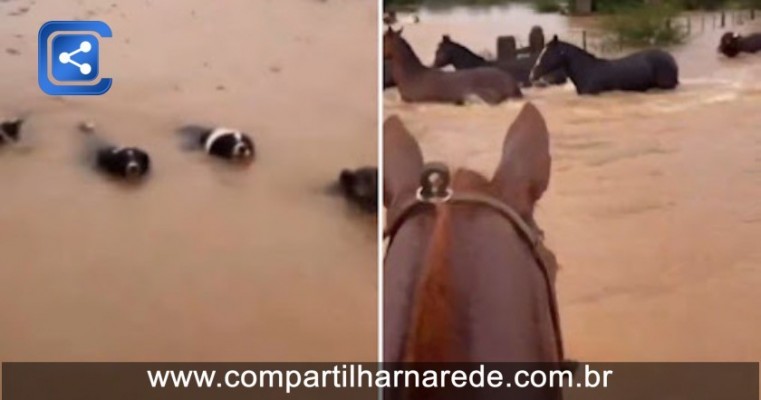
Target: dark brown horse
pixel 733 44
pixel 466 277
pixel 459 56
pixel 418 83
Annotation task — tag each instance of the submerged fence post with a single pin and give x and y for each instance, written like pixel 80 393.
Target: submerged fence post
pixel 689 25
pixel 723 18
pixel 584 39
pixel 507 48
pixel 669 23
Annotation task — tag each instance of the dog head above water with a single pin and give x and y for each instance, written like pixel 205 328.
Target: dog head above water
pixel 129 163
pixel 360 187
pixel 10 130
pixel 230 144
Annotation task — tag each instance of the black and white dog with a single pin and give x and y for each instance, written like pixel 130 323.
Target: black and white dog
pixel 230 144
pixel 360 187
pixel 128 163
pixel 10 130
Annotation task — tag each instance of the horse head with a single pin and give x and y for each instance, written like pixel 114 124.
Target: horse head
pixel 730 44
pixel 450 52
pixel 552 58
pixel 444 52
pixel 390 42
pixel 433 270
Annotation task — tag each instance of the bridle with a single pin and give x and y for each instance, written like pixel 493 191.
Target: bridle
pixel 435 190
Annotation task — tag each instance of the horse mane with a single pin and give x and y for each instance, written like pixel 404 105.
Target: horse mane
pixel 409 58
pixel 465 51
pixel 578 50
pixel 433 334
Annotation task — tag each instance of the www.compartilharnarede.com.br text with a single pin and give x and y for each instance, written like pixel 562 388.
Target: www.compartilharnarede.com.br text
pixel 352 376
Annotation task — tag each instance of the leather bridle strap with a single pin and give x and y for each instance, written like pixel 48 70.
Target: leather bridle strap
pixel 542 255
pixel 412 204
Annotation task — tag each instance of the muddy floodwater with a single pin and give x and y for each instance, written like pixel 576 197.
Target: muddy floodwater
pixel 654 206
pixel 203 262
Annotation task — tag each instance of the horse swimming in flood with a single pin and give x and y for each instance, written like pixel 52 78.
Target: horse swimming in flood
pixel 460 57
pixel 641 71
pixel 418 83
pixel 732 44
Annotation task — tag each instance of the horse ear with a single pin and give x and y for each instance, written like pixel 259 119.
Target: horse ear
pixel 402 160
pixel 555 38
pixel 523 173
pixel 446 38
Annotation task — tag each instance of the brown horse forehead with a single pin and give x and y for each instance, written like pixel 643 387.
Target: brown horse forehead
pixel 391 39
pixel 466 179
pixel 390 33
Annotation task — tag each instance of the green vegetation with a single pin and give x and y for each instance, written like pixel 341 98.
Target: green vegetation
pixel 608 6
pixel 718 4
pixel 643 25
pixel 389 4
pixel 611 6
pixel 603 6
pixel 702 4
pixel 629 22
pixel 548 6
pixel 540 5
pixel 396 4
pixel 652 22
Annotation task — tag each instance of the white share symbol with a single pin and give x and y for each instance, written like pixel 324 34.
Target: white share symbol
pixel 65 58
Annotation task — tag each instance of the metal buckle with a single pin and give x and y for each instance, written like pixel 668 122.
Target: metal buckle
pixel 434 184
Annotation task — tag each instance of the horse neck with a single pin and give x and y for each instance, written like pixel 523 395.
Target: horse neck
pixel 406 61
pixel 578 63
pixel 465 58
pixel 437 330
pixel 432 334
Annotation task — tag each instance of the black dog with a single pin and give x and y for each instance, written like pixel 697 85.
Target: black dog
pixel 128 163
pixel 226 143
pixel 10 130
pixel 733 44
pixel 360 187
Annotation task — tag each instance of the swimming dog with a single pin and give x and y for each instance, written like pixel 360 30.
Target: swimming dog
pixel 360 187
pixel 128 163
pixel 226 143
pixel 10 130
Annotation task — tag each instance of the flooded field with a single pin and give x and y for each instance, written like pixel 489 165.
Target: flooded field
pixel 203 262
pixel 653 207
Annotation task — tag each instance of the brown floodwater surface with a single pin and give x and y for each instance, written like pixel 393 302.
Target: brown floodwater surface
pixel 204 261
pixel 653 207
